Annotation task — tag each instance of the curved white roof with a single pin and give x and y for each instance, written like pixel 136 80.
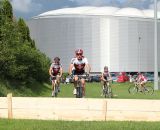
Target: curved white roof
pixel 132 12
pixel 102 11
pixel 77 10
pixel 107 10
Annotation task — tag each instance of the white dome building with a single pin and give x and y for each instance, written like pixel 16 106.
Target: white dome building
pixel 122 39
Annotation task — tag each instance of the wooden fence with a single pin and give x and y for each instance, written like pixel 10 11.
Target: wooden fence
pixel 79 109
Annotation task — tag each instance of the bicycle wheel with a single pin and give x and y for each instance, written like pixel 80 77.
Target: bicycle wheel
pixel 109 92
pixel 132 89
pixel 79 91
pixel 56 90
pixel 105 92
pixel 148 90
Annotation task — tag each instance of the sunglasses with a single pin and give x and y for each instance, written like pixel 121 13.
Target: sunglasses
pixel 78 54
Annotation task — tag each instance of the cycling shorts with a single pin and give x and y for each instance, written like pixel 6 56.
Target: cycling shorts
pixel 79 72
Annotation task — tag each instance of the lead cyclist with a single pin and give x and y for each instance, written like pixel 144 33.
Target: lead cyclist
pixel 78 66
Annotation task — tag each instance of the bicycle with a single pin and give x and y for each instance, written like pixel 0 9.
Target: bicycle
pixel 136 87
pixel 56 90
pixel 107 90
pixel 79 91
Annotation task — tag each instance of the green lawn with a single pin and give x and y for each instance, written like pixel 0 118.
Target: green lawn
pixel 93 90
pixel 76 125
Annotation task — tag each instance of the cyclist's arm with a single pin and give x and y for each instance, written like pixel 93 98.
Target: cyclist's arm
pixel 70 69
pixel 102 77
pixel 88 68
pixel 61 72
pixel 50 71
pixel 110 77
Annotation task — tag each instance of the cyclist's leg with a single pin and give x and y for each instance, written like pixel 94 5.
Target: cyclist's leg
pixel 53 88
pixel 140 86
pixel 75 84
pixel 143 85
pixel 58 82
pixel 103 82
pixel 83 87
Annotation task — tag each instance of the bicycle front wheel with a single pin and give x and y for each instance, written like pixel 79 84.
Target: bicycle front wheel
pixel 132 89
pixel 109 92
pixel 148 90
pixel 56 90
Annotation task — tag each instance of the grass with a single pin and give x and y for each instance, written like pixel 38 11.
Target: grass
pixel 22 89
pixel 93 90
pixel 76 125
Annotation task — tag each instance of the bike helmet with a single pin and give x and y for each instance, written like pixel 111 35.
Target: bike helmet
pixel 56 59
pixel 105 67
pixel 79 51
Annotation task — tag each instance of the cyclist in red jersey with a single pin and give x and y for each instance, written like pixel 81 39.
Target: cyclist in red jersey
pixel 79 65
pixel 141 79
pixel 55 73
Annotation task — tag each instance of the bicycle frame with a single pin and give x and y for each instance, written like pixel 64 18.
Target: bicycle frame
pixel 79 86
pixel 138 88
pixel 55 87
pixel 107 90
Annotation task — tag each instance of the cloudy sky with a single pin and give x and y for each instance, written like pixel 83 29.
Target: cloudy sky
pixel 29 8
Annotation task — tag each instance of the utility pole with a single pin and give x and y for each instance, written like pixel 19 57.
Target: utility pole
pixel 155 48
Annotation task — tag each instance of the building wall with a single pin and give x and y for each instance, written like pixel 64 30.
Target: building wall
pixel 122 43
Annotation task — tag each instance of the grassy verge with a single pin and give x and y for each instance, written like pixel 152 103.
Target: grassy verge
pixel 93 90
pixel 76 125
pixel 24 89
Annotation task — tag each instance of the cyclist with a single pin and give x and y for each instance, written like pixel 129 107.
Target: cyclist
pixel 55 73
pixel 141 79
pixel 105 78
pixel 77 67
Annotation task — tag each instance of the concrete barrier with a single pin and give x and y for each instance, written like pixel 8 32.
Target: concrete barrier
pixel 79 109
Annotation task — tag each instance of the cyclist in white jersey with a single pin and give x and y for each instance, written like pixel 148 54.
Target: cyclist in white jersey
pixel 79 64
pixel 55 73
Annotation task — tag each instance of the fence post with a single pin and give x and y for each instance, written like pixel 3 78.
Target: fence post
pixel 9 97
pixel 105 109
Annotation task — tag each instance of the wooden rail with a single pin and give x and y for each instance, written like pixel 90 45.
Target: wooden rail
pixel 79 109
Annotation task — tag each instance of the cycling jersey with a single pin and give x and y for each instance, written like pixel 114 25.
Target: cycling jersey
pixel 55 69
pixel 79 65
pixel 72 60
pixel 141 78
pixel 106 75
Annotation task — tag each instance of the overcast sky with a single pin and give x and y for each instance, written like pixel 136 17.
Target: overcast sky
pixel 29 8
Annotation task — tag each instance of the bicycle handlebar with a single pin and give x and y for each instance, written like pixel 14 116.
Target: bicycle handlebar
pixel 85 76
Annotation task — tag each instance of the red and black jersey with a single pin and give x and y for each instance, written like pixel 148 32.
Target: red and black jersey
pixel 55 68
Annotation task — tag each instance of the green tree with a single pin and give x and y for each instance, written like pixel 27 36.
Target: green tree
pixel 6 10
pixel 24 31
pixel 19 58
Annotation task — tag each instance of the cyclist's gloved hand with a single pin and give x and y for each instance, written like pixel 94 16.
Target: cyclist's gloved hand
pixel 87 74
pixel 71 75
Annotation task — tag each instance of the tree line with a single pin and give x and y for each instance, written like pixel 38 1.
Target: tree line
pixel 19 57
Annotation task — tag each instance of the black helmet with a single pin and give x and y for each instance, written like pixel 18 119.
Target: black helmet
pixel 57 59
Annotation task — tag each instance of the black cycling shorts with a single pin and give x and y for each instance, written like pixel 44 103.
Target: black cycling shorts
pixel 79 72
